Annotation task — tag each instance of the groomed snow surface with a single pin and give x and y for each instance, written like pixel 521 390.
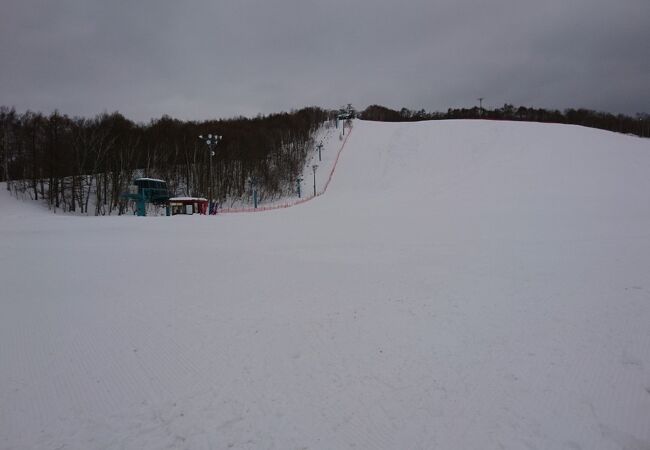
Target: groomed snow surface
pixel 461 285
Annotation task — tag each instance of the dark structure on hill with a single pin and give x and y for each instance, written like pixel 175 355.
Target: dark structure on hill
pixel 147 191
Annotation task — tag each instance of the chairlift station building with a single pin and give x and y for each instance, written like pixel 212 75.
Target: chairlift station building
pixel 155 191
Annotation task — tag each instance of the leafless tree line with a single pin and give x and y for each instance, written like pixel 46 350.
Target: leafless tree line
pixel 84 165
pixel 638 125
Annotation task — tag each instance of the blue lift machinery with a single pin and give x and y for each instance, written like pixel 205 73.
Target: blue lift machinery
pixel 148 190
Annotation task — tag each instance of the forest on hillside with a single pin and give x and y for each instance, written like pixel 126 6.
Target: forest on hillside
pixel 84 164
pixel 638 125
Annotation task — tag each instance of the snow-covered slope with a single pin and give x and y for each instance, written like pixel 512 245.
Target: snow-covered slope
pixel 460 285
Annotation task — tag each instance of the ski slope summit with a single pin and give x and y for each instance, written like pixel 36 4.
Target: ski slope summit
pixel 460 285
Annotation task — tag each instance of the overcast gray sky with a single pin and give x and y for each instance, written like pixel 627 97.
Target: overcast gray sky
pixel 201 59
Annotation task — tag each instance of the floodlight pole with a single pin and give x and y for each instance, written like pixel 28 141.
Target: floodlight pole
pixel 320 147
pixel 480 108
pixel 314 167
pixel 210 182
pixel 298 181
pixel 211 141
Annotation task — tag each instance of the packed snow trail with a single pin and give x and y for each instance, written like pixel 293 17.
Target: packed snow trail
pixel 462 284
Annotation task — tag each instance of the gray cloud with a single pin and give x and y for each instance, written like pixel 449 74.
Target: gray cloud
pixel 200 59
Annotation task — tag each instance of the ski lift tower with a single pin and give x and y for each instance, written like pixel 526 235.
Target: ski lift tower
pixel 314 167
pixel 342 117
pixel 298 181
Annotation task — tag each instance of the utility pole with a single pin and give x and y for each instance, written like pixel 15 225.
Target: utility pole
pixel 211 141
pixel 480 108
pixel 320 147
pixel 314 167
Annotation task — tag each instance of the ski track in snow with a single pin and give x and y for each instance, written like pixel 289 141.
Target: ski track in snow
pixel 462 284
